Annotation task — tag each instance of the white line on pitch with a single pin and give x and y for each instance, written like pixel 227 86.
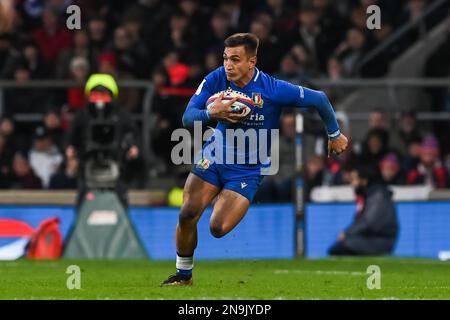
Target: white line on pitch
pixel 324 272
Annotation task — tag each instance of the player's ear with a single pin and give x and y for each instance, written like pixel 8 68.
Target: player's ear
pixel 253 60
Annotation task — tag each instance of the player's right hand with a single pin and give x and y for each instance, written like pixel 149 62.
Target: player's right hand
pixel 338 145
pixel 221 111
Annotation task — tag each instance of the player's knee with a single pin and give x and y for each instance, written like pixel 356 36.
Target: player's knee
pixel 217 230
pixel 188 214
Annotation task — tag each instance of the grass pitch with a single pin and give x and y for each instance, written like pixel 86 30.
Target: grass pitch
pixel 344 278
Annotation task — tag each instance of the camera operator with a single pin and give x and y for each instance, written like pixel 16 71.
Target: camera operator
pixel 104 139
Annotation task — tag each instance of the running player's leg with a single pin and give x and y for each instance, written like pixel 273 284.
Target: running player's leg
pixel 228 211
pixel 197 195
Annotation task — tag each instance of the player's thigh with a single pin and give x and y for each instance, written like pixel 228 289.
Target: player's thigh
pixel 197 194
pixel 228 211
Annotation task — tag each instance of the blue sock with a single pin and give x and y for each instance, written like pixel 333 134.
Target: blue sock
pixel 184 272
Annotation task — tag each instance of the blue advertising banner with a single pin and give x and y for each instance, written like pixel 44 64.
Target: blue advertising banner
pixel 424 228
pixel 266 232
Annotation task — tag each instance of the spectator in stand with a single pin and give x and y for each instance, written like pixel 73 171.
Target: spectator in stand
pixel 52 37
pixel 178 71
pixel 153 16
pixel 308 63
pixel 374 147
pixel 35 63
pixel 139 48
pixel 25 100
pixel 66 176
pixel 335 73
pixel 270 50
pixel 13 140
pixel 377 119
pixel 9 56
pixel 430 171
pixel 53 124
pixel 290 69
pixel 283 16
pixel 6 157
pixel 333 26
pixel 412 158
pixel 406 132
pixel 45 158
pixel 79 71
pixel 80 48
pixel 23 176
pixel 351 51
pixel 130 61
pixel 391 171
pixel 129 97
pixel 237 13
pixel 197 19
pixel 212 62
pixel 219 30
pixel 310 38
pixel 313 38
pixel 176 38
pixel 315 172
pixel 97 30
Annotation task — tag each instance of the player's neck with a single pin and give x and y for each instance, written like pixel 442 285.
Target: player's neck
pixel 246 79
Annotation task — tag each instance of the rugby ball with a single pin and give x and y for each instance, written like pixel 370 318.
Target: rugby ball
pixel 243 104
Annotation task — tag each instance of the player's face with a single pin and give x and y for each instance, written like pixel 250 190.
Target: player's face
pixel 237 63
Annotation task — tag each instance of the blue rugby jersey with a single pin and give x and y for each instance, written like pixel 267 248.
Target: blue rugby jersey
pixel 269 96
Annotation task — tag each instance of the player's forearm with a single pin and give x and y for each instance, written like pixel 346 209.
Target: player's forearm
pixel 320 102
pixel 194 114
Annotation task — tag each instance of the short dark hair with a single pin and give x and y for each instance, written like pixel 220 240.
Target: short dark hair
pixel 248 40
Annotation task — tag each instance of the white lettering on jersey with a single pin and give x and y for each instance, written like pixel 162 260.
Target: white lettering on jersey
pixel 200 87
pixel 302 92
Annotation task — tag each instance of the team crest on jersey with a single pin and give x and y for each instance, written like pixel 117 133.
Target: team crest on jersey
pixel 203 164
pixel 257 99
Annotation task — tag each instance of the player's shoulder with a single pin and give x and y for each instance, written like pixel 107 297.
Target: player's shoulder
pixel 216 79
pixel 216 75
pixel 276 87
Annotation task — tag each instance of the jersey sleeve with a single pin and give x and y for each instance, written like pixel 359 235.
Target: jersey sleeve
pixel 196 109
pixel 290 95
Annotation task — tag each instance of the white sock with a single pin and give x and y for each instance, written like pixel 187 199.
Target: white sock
pixel 185 263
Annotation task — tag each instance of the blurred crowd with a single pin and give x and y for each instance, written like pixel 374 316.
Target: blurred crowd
pixel 175 44
pixel 407 155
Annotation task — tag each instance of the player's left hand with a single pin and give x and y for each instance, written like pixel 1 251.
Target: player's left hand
pixel 338 145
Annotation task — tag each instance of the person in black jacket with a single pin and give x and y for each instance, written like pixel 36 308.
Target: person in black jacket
pixel 375 228
pixel 103 135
